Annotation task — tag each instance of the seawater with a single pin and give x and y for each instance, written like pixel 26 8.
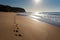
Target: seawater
pixel 48 17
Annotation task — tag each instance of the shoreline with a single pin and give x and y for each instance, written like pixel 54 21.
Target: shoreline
pixel 29 28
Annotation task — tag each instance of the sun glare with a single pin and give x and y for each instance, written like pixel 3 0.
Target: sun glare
pixel 36 13
pixel 37 1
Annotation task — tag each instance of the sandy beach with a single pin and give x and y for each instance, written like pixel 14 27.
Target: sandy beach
pixel 29 28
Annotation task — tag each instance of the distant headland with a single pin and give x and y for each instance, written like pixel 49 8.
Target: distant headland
pixel 6 8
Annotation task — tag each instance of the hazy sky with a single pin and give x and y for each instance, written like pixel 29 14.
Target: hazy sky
pixel 34 5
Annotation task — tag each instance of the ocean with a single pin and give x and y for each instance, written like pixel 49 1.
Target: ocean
pixel 48 17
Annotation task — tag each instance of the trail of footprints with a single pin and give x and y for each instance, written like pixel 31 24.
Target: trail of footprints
pixel 16 31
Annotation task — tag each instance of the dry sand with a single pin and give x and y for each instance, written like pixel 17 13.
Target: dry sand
pixel 28 28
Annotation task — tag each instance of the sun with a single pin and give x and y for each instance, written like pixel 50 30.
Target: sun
pixel 37 1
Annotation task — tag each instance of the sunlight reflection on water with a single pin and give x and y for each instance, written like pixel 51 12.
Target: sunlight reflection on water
pixel 49 17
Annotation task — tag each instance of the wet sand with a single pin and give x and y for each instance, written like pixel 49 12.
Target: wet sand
pixel 29 28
